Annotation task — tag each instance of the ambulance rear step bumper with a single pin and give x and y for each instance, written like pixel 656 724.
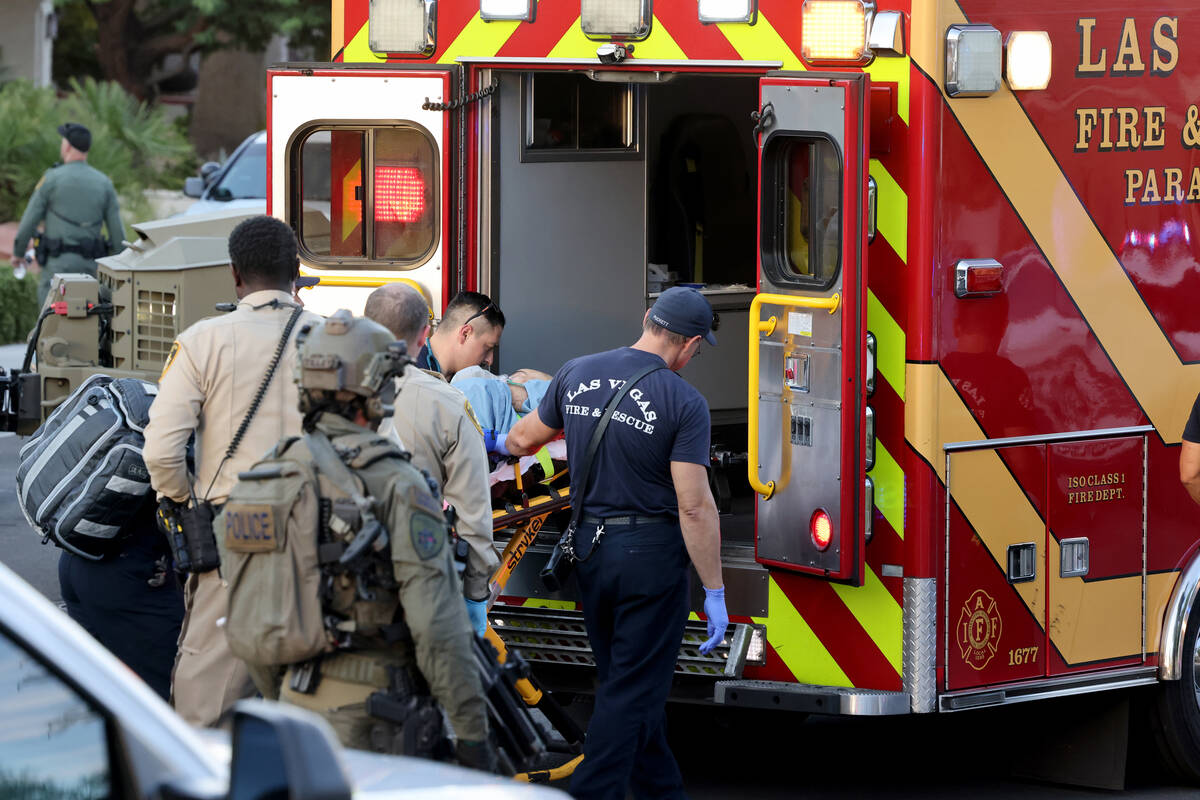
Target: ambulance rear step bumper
pixel 835 700
pixel 554 636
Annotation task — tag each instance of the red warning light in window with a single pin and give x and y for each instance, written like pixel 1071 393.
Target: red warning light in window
pixel 399 194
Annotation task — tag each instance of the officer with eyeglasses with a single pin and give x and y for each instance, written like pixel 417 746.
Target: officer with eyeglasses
pixel 468 335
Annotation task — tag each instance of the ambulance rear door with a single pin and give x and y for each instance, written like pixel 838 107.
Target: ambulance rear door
pixel 360 166
pixel 809 426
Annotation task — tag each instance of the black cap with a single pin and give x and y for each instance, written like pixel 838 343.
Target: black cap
pixel 76 135
pixel 683 310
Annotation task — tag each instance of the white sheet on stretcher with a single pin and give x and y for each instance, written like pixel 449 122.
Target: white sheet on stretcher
pixel 504 472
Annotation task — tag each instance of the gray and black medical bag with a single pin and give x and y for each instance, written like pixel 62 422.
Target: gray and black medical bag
pixel 81 477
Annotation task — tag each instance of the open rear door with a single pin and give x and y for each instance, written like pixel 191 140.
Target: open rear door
pixel 809 432
pixel 360 167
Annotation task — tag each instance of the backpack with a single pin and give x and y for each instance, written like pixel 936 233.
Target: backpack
pixel 281 533
pixel 81 477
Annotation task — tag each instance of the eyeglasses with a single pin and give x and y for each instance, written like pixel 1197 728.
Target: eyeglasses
pixel 480 312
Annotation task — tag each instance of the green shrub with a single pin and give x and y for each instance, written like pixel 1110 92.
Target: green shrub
pixel 136 145
pixel 18 306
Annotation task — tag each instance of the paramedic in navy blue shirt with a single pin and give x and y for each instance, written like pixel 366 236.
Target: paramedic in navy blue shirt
pixel 649 495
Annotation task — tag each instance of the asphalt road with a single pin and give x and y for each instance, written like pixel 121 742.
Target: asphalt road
pixel 726 753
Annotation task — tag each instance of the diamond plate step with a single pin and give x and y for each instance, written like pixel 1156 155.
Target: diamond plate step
pixel 556 636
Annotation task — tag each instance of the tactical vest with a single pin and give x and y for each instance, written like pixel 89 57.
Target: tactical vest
pixel 303 577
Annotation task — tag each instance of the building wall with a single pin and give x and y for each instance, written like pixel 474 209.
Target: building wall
pixel 26 40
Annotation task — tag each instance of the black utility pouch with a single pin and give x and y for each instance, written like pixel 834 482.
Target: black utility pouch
pixel 198 537
pixel 558 568
pixel 189 532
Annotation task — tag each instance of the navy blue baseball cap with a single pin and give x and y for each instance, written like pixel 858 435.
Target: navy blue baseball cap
pixel 76 135
pixel 683 310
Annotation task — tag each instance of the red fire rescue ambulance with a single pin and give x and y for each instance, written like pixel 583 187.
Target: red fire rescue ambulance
pixel 951 246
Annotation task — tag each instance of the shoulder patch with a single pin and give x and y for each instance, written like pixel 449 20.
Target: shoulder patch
pixel 471 416
pixel 428 534
pixel 170 359
pixel 421 499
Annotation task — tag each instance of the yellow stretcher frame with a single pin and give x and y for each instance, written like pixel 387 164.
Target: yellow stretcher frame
pixel 529 518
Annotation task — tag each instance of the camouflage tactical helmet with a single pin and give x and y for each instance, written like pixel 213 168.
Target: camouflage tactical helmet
pixel 345 353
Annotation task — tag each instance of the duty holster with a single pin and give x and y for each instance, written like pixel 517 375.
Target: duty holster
pixel 416 714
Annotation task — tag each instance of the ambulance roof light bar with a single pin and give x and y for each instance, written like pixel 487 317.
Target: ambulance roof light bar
pixel 402 26
pixel 973 57
pixel 623 20
pixel 519 10
pixel 721 11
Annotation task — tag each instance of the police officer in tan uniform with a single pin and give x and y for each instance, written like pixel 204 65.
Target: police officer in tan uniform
pixel 434 422
pixel 402 640
pixel 207 388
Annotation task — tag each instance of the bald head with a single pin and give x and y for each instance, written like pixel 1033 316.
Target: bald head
pixel 402 310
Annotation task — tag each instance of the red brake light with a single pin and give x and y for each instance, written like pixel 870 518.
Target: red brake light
pixel 821 529
pixel 399 194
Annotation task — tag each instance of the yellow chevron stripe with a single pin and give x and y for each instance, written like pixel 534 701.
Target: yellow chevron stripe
pixel 337 27
pixel 889 488
pixel 479 39
pixel 760 42
pixel 888 70
pixel 358 49
pixel 557 605
pixel 889 343
pixel 891 214
pixel 658 46
pixel 879 614
pixel 802 652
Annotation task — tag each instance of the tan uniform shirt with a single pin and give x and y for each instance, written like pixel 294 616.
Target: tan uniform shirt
pixel 210 379
pixel 433 421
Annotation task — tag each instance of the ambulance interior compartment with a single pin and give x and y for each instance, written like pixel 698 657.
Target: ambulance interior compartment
pixel 603 192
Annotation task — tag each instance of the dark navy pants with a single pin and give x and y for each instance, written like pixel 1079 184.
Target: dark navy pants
pixel 635 603
pixel 115 602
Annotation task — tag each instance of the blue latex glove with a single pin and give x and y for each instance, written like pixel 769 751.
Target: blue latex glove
pixel 717 616
pixel 493 442
pixel 477 611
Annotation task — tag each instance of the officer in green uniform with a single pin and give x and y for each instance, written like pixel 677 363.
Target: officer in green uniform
pixel 399 636
pixel 74 200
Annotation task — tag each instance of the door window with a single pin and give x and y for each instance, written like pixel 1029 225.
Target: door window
pixel 53 744
pixel 366 195
pixel 570 117
pixel 802 179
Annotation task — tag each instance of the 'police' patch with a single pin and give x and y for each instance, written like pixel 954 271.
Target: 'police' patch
pixel 249 528
pixel 170 360
pixel 428 534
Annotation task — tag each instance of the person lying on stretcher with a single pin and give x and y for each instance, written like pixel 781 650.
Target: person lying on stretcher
pixel 500 400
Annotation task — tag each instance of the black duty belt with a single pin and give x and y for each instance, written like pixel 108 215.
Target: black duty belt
pixel 628 519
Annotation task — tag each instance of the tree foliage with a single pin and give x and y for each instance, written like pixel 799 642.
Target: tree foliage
pixel 133 37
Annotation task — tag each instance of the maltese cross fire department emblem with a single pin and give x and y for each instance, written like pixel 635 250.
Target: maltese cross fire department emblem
pixel 979 629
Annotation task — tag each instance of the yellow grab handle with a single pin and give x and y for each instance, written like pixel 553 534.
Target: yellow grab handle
pixel 767 326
